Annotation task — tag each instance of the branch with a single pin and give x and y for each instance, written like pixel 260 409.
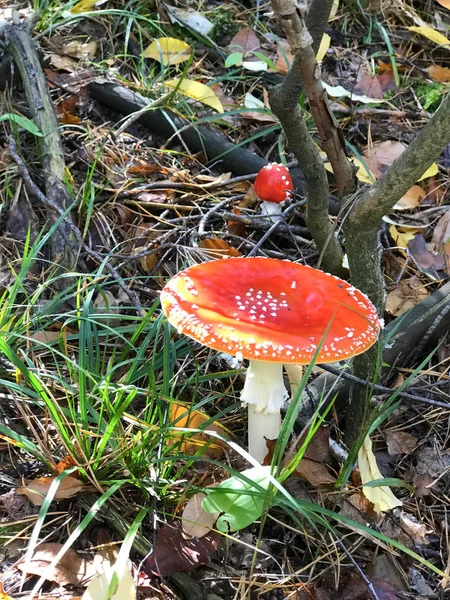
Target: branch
pixel 316 20
pixel 300 42
pixel 21 48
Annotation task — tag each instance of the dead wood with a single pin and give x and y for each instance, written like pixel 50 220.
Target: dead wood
pixel 21 48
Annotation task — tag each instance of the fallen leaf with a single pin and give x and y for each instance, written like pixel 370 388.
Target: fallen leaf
pixel 168 51
pixel 98 588
pixel 83 6
pixel 407 294
pixel 173 552
pixel 338 91
pixel 440 242
pixel 424 258
pixel 439 74
pixel 37 489
pixel 64 63
pixel 44 337
pixel 244 41
pixel 382 497
pixel 357 589
pixel 197 91
pixel 369 85
pixel 194 19
pixel 400 442
pixel 314 472
pixel 236 227
pixel 255 105
pixel 378 157
pixel 323 48
pixel 401 237
pixel 218 248
pixel 284 57
pixel 81 49
pixel 431 34
pixel 71 569
pixel 411 199
pixel 424 485
pixel 66 463
pixel 195 521
pixel 182 416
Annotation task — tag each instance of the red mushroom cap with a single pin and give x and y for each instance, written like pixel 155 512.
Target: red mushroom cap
pixel 270 310
pixel 273 183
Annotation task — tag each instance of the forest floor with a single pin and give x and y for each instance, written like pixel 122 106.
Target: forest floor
pixel 164 120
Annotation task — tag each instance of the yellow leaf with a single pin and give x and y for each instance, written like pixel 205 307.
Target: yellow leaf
pixel 197 91
pixel 402 238
pixel 168 51
pixel 323 48
pixel 431 34
pixel 334 10
pixel 430 172
pixel 3 594
pixel 83 6
pixel 363 173
pixel 382 497
pixel 411 199
pixel 181 416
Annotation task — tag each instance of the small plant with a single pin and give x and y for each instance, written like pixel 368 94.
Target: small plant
pixel 225 26
pixel 430 95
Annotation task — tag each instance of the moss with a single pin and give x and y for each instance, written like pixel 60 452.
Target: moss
pixel 225 27
pixel 430 95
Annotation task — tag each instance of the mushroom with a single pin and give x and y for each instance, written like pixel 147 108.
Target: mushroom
pixel 273 185
pixel 270 312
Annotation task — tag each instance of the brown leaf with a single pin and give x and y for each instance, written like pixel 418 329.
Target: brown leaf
pixel 217 248
pixel 405 296
pixel 381 156
pixel 173 552
pixel 71 569
pixel 66 463
pixel 245 40
pixel 37 489
pixel 356 589
pixel 439 74
pixel 284 58
pixel 423 485
pixel 195 521
pixel 400 442
pixel 314 472
pixel 236 227
pixel 369 86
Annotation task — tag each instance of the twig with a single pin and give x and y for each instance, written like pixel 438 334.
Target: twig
pixel 371 589
pixel 381 388
pixel 34 189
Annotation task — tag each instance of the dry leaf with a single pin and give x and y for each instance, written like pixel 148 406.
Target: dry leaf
pixel 195 521
pixel 218 248
pixel 3 594
pixel 168 51
pixel 431 34
pixel 174 552
pixel 323 48
pixel 66 463
pixel 284 58
pixel 400 442
pixel 405 296
pixel 314 472
pixel 402 236
pixel 439 74
pixel 244 41
pixel 81 49
pixel 380 156
pixel 236 227
pixel 71 568
pixel 425 259
pixel 411 199
pixel 183 417
pixel 37 489
pixel 197 91
pixel 382 497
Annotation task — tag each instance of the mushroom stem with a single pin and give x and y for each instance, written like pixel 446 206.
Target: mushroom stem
pixel 265 394
pixel 272 210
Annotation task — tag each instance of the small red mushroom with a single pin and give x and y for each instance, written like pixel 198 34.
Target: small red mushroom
pixel 270 312
pixel 273 185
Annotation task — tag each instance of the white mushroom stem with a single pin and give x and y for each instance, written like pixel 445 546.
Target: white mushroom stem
pixel 265 394
pixel 272 210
